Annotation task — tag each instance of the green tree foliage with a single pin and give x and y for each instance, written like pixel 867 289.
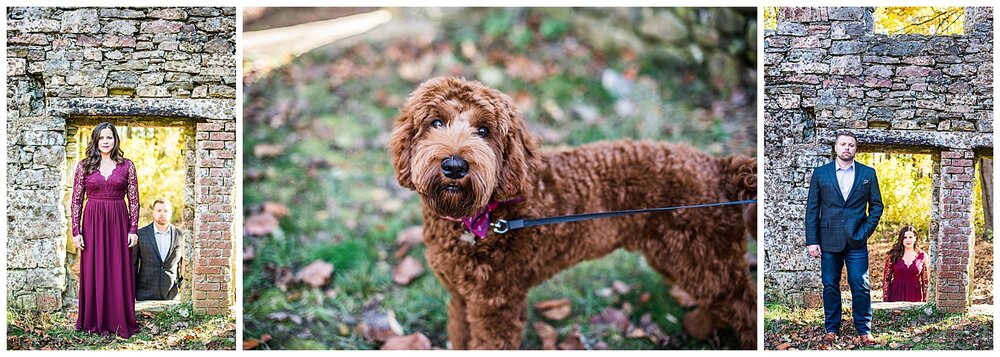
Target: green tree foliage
pixel 905 181
pixel 159 157
pixel 939 21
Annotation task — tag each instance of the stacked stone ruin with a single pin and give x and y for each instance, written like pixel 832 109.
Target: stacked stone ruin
pixel 825 70
pixel 70 68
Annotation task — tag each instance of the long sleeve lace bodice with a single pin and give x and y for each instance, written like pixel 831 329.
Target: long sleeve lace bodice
pixel 133 199
pixel 76 202
pixel 121 184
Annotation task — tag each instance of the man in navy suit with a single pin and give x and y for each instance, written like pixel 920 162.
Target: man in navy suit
pixel 842 211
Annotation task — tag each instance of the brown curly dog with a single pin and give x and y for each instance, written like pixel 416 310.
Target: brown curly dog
pixel 463 147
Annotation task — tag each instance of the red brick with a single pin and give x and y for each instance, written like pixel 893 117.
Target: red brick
pixel 222 136
pixel 210 127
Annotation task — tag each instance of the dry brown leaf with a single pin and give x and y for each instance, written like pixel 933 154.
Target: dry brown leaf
pixel 573 340
pixel 615 318
pixel 682 297
pixel 282 277
pixel 644 298
pixel 268 150
pixel 406 271
pixel 315 274
pixel 276 209
pixel 251 344
pixel 409 238
pixel 260 224
pixel 784 346
pixel 547 334
pixel 413 341
pixel 620 287
pixel 376 325
pixel 524 68
pixel 556 310
pixel 248 253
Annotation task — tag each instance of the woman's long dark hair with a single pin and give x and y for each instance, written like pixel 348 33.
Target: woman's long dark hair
pixel 898 249
pixel 93 160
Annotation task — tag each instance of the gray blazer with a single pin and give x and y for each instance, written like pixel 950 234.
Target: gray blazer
pixel 156 279
pixel 833 222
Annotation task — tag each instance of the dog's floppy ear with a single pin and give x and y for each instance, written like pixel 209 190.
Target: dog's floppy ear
pixel 401 144
pixel 521 153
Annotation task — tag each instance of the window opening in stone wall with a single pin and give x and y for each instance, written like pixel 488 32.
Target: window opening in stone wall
pixel 161 158
pixel 906 182
pixel 982 269
pixel 932 21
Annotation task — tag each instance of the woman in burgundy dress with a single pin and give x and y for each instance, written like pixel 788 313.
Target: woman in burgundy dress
pixel 907 270
pixel 108 229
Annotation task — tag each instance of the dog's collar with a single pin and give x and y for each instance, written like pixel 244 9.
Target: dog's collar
pixel 479 224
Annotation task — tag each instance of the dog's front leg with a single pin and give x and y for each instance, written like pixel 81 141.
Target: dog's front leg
pixel 497 326
pixel 458 323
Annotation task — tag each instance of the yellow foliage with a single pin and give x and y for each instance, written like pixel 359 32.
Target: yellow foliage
pixel 905 181
pixel 160 163
pixel 939 21
pixel 770 17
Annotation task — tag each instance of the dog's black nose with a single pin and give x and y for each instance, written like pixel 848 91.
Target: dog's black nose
pixel 454 167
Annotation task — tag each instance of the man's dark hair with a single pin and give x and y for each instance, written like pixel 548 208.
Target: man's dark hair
pixel 160 200
pixel 844 133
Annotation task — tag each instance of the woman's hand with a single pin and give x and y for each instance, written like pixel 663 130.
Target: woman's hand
pixel 132 240
pixel 78 241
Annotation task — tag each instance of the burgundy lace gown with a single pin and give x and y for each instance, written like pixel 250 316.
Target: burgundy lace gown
pixel 107 282
pixel 906 282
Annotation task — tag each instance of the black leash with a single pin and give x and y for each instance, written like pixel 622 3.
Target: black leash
pixel 503 226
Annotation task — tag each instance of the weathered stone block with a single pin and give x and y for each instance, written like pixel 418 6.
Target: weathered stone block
pixel 80 21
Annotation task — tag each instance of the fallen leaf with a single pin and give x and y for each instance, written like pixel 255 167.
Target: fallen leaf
pixel 376 325
pixel 556 310
pixel 413 341
pixel 315 274
pixel 268 150
pixel 547 334
pixel 620 287
pixel 260 224
pixel 265 337
pixel 248 253
pixel 615 318
pixel 406 271
pixel 683 298
pixel 282 277
pixel 573 340
pixel 605 292
pixel 635 332
pixel 644 298
pixel 284 315
pixel 251 344
pixel 524 68
pixel 409 238
pixel 784 346
pixel 276 209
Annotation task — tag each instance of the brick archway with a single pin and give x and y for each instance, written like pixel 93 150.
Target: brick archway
pixel 825 70
pixel 148 66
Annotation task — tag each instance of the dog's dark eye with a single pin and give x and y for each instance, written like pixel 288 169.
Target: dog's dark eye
pixel 483 131
pixel 437 123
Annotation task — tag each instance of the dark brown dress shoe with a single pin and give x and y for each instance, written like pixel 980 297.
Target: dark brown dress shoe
pixel 829 337
pixel 868 340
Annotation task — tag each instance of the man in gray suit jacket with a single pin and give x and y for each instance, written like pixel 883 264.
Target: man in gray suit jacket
pixel 157 257
pixel 842 211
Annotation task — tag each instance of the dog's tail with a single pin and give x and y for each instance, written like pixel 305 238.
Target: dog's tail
pixel 740 182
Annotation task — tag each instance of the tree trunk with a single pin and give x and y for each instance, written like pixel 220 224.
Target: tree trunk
pixel 986 179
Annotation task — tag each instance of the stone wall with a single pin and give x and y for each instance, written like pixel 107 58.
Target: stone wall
pixel 70 67
pixel 825 70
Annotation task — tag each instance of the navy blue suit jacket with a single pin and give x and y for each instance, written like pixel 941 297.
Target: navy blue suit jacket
pixel 833 222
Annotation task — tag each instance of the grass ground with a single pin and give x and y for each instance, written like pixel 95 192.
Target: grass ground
pixel 318 178
pixel 177 328
pixel 788 328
